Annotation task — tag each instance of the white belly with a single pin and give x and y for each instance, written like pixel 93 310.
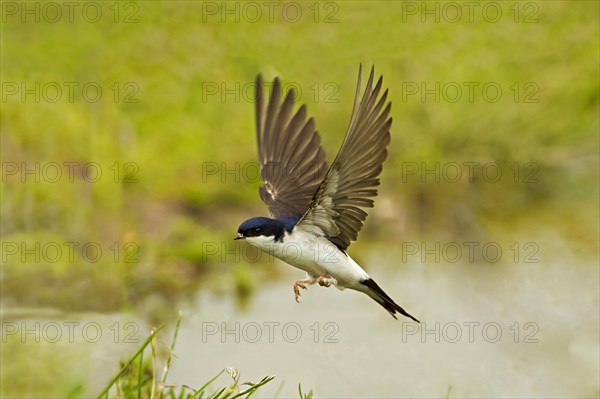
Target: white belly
pixel 314 255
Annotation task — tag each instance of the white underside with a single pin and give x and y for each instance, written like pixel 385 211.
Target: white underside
pixel 315 255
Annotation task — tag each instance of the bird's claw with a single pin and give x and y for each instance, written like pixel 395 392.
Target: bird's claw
pixel 297 290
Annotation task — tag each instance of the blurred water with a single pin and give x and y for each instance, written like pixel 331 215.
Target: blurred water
pixel 489 330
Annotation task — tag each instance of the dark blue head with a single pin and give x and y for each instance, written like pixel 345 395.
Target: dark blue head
pixel 261 226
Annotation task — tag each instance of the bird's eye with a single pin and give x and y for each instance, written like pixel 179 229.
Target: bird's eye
pixel 257 230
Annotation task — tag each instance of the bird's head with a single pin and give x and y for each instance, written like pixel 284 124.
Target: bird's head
pixel 260 229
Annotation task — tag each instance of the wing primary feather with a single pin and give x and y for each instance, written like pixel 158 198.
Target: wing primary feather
pixel 292 161
pixel 283 117
pixel 351 182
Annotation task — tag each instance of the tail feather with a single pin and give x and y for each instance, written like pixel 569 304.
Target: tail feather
pixel 384 299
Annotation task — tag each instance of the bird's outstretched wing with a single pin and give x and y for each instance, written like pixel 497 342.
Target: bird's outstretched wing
pixel 292 161
pixel 337 209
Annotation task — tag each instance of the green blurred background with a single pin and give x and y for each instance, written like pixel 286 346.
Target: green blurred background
pixel 176 106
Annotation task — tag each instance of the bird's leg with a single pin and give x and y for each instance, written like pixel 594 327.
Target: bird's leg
pixel 325 280
pixel 302 284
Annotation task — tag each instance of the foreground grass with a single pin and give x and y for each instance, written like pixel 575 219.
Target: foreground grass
pixel 139 377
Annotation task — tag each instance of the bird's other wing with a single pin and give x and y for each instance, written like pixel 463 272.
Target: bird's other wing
pixel 292 161
pixel 337 209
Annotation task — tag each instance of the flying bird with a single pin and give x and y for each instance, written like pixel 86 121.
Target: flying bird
pixel 317 211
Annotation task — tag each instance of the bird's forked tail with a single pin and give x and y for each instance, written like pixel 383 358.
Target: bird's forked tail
pixel 375 292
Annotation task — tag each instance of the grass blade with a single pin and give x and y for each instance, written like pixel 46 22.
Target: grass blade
pixel 139 394
pixel 171 348
pixel 104 392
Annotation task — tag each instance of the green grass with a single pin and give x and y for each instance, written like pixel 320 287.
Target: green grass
pixel 139 377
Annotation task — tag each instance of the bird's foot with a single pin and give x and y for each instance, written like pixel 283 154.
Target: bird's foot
pixel 302 284
pixel 297 285
pixel 325 280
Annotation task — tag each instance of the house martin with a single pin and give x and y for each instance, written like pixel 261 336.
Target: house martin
pixel 317 211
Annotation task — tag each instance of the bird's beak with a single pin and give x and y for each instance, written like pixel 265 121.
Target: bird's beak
pixel 239 236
